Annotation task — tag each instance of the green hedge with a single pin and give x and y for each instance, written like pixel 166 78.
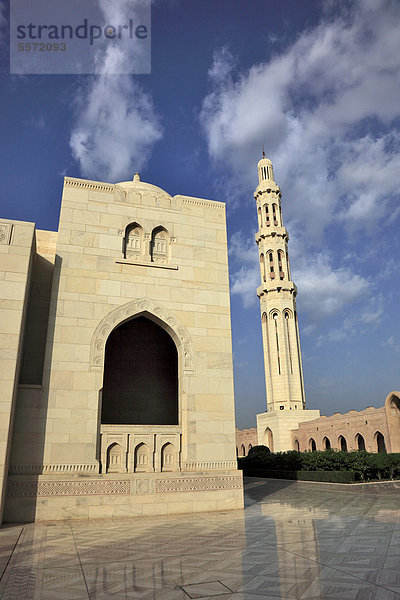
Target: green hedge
pixel 364 466
pixel 330 476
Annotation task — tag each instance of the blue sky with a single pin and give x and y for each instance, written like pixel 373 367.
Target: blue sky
pixel 318 84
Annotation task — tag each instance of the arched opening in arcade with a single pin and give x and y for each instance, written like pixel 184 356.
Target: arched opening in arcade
pixel 360 442
pixel 326 443
pixel 268 439
pixel 140 385
pixel 342 443
pixel 380 442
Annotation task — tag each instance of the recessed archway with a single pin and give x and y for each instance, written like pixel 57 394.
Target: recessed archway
pixel 380 442
pixel 140 385
pixel 360 441
pixel 326 443
pixel 268 439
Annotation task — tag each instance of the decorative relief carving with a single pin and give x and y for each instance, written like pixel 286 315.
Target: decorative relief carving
pixel 201 466
pixel 108 487
pixel 120 314
pixel 39 469
pixel 209 204
pixel 95 487
pixel 89 185
pixel 198 484
pixel 5 233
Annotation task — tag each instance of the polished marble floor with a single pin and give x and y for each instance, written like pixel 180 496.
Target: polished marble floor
pixel 295 540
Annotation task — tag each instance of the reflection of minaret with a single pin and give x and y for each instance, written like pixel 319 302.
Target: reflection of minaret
pixel 280 333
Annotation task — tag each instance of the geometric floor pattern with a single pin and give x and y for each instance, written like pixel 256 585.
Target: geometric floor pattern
pixel 294 541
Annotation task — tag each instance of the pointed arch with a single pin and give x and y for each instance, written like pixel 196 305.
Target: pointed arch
pixel 360 441
pixel 268 439
pixel 242 450
pixel 159 245
pixel 380 444
pixel 152 311
pixel 342 443
pixel 168 457
pixel 326 442
pixel 114 459
pixel 312 445
pixel 133 240
pixel 141 458
pixel 297 445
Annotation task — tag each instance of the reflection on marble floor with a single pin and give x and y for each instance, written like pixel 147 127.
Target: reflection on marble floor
pixel 294 540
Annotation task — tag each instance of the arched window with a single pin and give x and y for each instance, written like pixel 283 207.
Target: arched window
pixel 297 445
pixel 268 439
pixel 380 442
pixel 275 214
pixel 395 406
pixel 271 265
pixel 326 443
pixel 262 267
pixel 242 450
pixel 141 458
pixel 140 384
pixel 159 245
pixel 360 442
pixel 114 459
pixel 168 458
pixel 259 217
pixel 133 241
pixel 249 448
pixel 267 221
pixel 280 263
pixel 312 445
pixel 342 443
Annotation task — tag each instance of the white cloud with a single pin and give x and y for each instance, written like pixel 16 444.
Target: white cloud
pixel 392 343
pixel 316 105
pixel 116 123
pixel 115 130
pixel 324 290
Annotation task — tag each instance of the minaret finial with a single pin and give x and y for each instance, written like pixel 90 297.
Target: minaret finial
pixel 263 152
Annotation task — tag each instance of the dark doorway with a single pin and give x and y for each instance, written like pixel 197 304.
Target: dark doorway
pixel 360 441
pixel 343 443
pixel 380 442
pixel 140 375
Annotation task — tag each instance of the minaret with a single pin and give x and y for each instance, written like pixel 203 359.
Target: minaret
pixel 280 332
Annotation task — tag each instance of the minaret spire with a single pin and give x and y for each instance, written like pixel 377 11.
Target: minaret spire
pixel 280 333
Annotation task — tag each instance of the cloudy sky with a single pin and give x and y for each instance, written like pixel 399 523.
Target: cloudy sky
pixel 318 84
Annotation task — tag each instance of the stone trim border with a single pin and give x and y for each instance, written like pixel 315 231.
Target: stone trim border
pixel 44 469
pixel 96 487
pixel 198 484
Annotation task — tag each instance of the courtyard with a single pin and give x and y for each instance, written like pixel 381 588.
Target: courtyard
pixel 294 540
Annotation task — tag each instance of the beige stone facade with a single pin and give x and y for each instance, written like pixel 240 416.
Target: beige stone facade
pixel 116 357
pixel 286 405
pixel 372 429
pixel 245 440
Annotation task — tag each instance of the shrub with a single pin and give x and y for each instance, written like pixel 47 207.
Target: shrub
pixel 361 465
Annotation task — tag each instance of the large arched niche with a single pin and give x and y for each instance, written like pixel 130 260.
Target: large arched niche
pixel 157 315
pixel 140 382
pixel 154 312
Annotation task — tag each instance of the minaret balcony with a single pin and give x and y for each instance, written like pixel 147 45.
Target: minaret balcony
pixel 277 286
pixel 266 232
